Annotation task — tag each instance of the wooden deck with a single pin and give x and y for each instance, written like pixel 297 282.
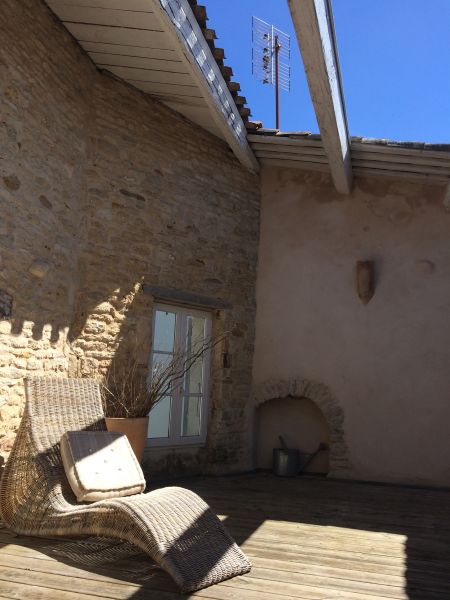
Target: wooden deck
pixel 307 538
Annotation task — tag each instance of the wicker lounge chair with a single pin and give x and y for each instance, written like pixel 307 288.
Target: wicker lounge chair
pixel 173 525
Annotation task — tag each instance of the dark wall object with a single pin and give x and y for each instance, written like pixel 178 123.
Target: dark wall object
pixel 365 280
pixel 6 303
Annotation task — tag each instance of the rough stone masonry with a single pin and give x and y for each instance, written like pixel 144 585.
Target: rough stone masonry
pixel 103 188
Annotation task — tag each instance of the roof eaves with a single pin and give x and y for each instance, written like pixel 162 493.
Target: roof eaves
pixel 399 144
pixel 262 131
pixel 370 156
pixel 384 142
pixel 234 87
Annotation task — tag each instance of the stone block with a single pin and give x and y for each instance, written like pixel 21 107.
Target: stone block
pixel 35 365
pixel 5 327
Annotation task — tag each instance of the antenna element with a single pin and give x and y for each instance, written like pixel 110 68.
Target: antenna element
pixel 271 54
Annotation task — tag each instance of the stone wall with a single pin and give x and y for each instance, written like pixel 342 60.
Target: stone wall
pixel 102 189
pixel 382 366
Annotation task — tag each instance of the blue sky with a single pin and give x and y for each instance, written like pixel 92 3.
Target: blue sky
pixel 395 63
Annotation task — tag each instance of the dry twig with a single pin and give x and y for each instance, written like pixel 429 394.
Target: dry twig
pixel 127 391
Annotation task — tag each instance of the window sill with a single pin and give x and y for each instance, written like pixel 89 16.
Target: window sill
pixel 150 446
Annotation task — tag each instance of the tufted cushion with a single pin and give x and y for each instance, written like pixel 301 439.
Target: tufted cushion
pixel 100 465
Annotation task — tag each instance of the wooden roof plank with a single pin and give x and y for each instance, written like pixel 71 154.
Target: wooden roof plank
pixel 278 140
pixel 196 114
pixel 295 164
pixel 159 76
pixel 110 17
pixel 280 150
pixel 400 158
pixel 139 62
pixel 137 51
pixel 401 167
pixel 120 35
pixel 313 22
pixel 179 100
pixel 398 150
pixel 155 87
pixel 293 157
pixel 130 5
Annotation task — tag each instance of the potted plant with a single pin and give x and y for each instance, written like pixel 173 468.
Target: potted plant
pixel 129 393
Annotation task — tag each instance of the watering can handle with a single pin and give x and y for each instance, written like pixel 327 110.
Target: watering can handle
pixel 282 442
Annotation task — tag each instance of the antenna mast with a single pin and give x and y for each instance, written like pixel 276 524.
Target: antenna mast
pixel 271 53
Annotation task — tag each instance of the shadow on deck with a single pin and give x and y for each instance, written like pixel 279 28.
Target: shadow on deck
pixel 308 538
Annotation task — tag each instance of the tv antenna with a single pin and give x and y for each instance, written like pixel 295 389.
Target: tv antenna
pixel 271 54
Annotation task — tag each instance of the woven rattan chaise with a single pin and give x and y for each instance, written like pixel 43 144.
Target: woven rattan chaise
pixel 172 525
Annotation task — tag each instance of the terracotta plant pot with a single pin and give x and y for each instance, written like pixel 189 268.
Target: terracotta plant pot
pixel 135 429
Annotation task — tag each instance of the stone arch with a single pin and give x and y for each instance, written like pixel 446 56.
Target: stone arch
pixel 321 395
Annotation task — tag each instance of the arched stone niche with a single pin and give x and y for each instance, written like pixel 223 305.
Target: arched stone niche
pixel 321 395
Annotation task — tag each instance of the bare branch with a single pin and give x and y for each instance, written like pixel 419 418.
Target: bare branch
pixel 127 391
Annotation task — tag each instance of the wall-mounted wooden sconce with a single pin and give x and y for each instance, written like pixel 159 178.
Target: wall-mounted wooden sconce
pixel 365 280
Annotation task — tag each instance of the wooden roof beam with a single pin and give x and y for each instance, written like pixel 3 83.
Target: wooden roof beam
pixel 313 22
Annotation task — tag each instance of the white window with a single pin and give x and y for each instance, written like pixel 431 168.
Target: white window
pixel 181 416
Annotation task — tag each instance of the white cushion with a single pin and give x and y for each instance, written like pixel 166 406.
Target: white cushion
pixel 100 465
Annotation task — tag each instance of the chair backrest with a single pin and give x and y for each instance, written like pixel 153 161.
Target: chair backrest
pixel 34 486
pixel 56 405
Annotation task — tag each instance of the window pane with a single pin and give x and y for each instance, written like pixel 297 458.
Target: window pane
pixel 178 335
pixel 164 335
pixel 195 335
pixel 161 372
pixel 195 339
pixel 161 360
pixel 191 416
pixel 159 421
pixel 193 380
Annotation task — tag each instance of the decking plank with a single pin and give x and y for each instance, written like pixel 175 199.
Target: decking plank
pixel 308 539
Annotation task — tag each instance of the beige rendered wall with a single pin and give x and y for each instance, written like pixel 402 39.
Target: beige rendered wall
pixel 386 364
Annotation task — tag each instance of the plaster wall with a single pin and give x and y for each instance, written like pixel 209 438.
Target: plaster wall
pixel 386 363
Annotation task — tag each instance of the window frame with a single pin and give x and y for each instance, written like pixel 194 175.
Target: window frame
pixel 176 411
